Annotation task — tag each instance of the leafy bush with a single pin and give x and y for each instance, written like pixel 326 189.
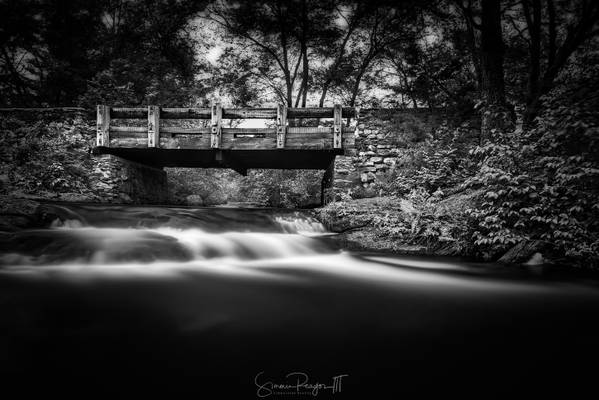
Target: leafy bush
pixel 543 184
pixel 46 156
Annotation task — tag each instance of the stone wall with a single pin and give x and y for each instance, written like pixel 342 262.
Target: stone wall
pixel 382 136
pixel 121 181
pixel 47 154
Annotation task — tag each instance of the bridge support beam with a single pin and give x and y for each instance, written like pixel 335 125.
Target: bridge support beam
pixel 327 183
pixel 226 160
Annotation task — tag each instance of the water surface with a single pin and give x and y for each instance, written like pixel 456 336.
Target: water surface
pixel 141 299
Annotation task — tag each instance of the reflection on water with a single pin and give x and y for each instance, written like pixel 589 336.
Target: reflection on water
pixel 198 296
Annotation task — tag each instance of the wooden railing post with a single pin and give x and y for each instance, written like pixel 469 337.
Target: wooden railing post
pixel 153 126
pixel 103 126
pixel 281 125
pixel 217 113
pixel 337 136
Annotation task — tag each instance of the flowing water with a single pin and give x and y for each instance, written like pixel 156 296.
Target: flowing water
pixel 232 300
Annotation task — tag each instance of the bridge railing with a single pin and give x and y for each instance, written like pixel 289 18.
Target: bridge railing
pixel 283 136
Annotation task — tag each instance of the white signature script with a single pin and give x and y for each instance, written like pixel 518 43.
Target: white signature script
pixel 295 383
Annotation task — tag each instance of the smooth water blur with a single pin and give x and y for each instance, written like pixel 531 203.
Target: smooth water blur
pixel 202 299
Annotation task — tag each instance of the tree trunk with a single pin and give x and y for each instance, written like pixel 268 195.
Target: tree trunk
pixel 305 69
pixel 306 74
pixel 491 54
pixel 533 20
pixel 355 89
pixel 495 115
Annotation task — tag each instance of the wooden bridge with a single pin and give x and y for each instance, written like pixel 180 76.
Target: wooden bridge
pixel 163 142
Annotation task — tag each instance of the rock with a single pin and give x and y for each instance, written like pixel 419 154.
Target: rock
pixel 342 172
pixel 364 177
pixel 125 198
pixel 75 197
pixel 16 214
pixel 194 200
pixel 536 259
pixel 407 207
pixel 376 159
pixel 410 249
pixel 4 181
pixel 523 252
pixel 389 161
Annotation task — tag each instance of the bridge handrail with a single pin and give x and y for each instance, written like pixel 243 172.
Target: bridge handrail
pixel 216 114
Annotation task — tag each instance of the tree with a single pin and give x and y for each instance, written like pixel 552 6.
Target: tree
pixel 280 33
pixel 54 52
pixel 551 32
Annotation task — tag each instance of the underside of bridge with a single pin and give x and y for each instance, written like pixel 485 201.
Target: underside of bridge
pixel 238 160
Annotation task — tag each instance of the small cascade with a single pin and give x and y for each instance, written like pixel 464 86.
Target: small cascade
pixel 301 224
pixel 196 234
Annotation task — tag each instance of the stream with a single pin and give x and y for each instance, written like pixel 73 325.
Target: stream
pixel 263 303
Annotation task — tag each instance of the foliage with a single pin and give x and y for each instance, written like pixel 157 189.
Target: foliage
pixel 63 53
pixel 543 184
pixel 435 164
pixel 269 188
pixel 46 157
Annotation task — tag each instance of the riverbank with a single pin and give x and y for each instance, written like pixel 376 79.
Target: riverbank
pixel 432 226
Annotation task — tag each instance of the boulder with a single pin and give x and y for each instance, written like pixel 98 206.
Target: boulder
pixel 524 252
pixel 194 200
pixel 17 214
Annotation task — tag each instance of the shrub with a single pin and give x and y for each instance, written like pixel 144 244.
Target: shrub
pixel 543 184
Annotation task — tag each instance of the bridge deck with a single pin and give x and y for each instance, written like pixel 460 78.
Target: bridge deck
pixel 281 147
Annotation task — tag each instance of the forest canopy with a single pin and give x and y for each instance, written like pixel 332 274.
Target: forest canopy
pixel 432 53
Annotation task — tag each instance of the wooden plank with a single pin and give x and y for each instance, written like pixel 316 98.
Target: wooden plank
pixel 281 125
pixel 308 130
pixel 128 135
pixel 103 126
pixel 249 113
pixel 251 131
pixel 132 143
pixel 153 126
pixel 230 113
pixel 217 113
pixel 128 112
pixel 195 142
pixel 175 130
pixel 230 142
pixel 128 129
pixel 337 126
